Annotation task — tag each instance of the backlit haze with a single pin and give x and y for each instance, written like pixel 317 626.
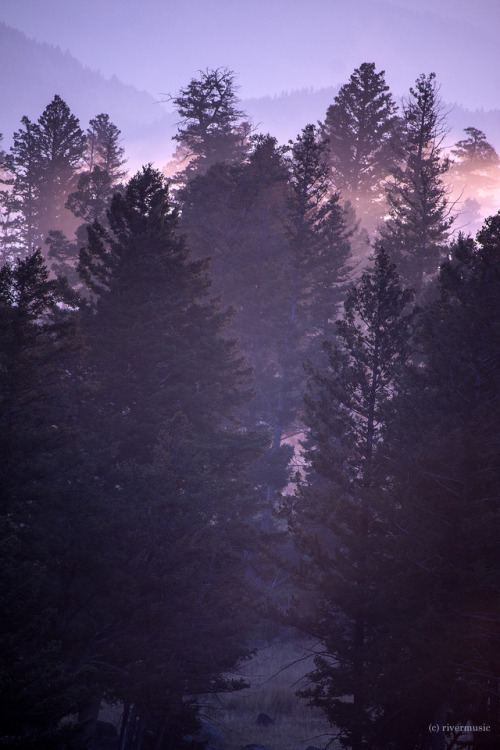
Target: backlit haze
pixel 289 56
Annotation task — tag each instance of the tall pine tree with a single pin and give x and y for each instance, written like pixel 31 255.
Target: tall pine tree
pixel 89 202
pixel 280 247
pixel 444 442
pixel 361 128
pixel 43 163
pixel 173 456
pixel 211 129
pixel 474 178
pixel 40 516
pixel 335 515
pixel 415 234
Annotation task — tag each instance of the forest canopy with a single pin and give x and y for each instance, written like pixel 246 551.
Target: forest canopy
pixel 279 364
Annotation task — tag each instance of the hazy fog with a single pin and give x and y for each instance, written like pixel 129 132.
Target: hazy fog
pixel 277 45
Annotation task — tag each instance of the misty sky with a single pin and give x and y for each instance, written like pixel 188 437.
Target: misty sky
pixel 276 45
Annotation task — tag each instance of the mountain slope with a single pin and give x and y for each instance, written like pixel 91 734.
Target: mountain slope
pixel 34 72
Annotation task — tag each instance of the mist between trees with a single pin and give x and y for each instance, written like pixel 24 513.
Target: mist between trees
pixel 261 393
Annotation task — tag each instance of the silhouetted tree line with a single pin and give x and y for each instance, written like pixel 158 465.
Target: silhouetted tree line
pixel 162 347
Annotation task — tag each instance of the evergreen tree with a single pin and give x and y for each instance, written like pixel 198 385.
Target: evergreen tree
pixel 360 127
pixel 445 502
pixel 474 152
pixel 318 236
pixel 103 148
pixel 415 234
pixel 38 686
pixel 279 244
pixel 31 322
pixel 23 195
pixel 234 213
pixel 104 173
pixel 95 187
pixel 43 162
pixel 9 217
pixel 91 199
pixel 317 254
pixel 211 127
pixel 170 383
pixel 474 176
pixel 123 492
pixel 61 144
pixel 335 516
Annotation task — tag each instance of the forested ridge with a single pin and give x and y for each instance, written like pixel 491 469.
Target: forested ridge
pixel 259 394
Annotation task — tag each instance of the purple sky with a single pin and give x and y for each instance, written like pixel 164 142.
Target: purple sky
pixel 277 45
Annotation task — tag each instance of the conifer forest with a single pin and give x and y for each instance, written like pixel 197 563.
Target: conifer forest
pixel 250 400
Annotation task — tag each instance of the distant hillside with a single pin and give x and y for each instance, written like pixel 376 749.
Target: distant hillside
pixel 486 120
pixel 33 72
pixel 38 71
pixel 285 115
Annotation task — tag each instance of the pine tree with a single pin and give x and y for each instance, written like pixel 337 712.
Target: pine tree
pixel 103 148
pixel 90 201
pixel 38 686
pixel 43 162
pixel 474 176
pixel 9 218
pixel 23 195
pixel 318 235
pixel 474 152
pixel 60 143
pixel 170 383
pixel 123 493
pixel 234 214
pixel 279 244
pixel 360 127
pixel 211 127
pixel 416 232
pixel 445 487
pixel 316 265
pixel 335 515
pixel 104 173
